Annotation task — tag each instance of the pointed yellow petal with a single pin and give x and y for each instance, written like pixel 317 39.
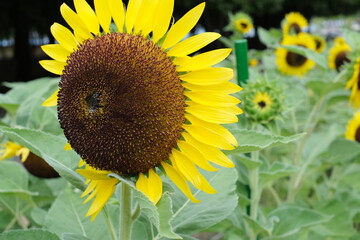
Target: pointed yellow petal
pixel 103 14
pixel 94 174
pixel 11 149
pixel 87 14
pixel 89 188
pixel 81 163
pixel 179 181
pixel 144 20
pixel 142 184
pixel 162 18
pixel 75 22
pixel 212 114
pixel 212 154
pixel 183 26
pixel 56 51
pixel 52 100
pixel 155 186
pixel 53 66
pixel 212 98
pixel 190 172
pixel 208 76
pixel 225 88
pixel 195 156
pixel 131 14
pixel 192 44
pixel 117 13
pixel 200 61
pixel 67 147
pixel 64 37
pixel 24 153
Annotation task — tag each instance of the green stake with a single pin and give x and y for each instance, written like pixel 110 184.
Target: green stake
pixel 241 60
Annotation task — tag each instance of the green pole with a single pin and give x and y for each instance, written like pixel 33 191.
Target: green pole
pixel 241 50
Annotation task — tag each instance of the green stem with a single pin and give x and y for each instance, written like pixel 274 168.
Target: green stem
pixel 125 212
pixel 255 192
pixel 109 224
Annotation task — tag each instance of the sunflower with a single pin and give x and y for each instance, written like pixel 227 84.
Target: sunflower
pixel 34 164
pixel 132 102
pixel 293 23
pixel 243 25
pixel 354 84
pixel 240 23
pixel 320 43
pixel 338 55
pixel 253 62
pixel 292 63
pixel 353 128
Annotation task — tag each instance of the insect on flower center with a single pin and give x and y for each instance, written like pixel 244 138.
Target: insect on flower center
pixel 121 103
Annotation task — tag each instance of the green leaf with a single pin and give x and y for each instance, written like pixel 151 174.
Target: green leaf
pixel 269 38
pixel 341 151
pixel 275 171
pixel 193 217
pixel 321 87
pixel 10 107
pixel 50 148
pixel 316 57
pixel 261 228
pixel 340 225
pixel 73 236
pixel 249 141
pixel 248 162
pixel 165 214
pixel 142 228
pixel 293 219
pixel 67 215
pixel 32 234
pixel 38 215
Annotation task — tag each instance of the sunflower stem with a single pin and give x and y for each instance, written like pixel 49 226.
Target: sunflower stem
pixel 109 224
pixel 125 212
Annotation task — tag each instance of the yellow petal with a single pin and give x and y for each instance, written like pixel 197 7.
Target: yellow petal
pixel 11 149
pixel 162 18
pixel 81 163
pixel 103 14
pixel 64 37
pixel 75 22
pixel 190 172
pixel 179 181
pixel 183 26
pixel 200 61
pixel 212 154
pixel 192 44
pixel 67 147
pixel 24 153
pixel 226 87
pixel 53 66
pixel 215 128
pixel 215 99
pixel 208 76
pixel 195 156
pixel 87 14
pixel 117 13
pixel 94 174
pixel 212 114
pixel 52 100
pixel 131 14
pixel 89 188
pixel 56 51
pixel 155 185
pixel 144 20
pixel 142 184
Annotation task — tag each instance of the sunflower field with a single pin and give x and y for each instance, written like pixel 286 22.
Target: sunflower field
pixel 146 134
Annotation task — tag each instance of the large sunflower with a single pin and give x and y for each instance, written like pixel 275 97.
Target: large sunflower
pixel 354 84
pixel 132 102
pixel 293 23
pixel 353 128
pixel 292 63
pixel 338 55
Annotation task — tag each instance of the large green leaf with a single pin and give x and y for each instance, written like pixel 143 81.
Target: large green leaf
pixel 316 57
pixel 269 38
pixel 50 148
pixel 341 151
pixel 193 217
pixel 249 141
pixel 31 234
pixel 275 171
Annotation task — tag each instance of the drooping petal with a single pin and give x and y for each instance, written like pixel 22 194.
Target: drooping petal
pixel 192 44
pixel 200 61
pixel 226 87
pixel 179 181
pixel 162 18
pixel 94 174
pixel 24 153
pixel 52 100
pixel 56 51
pixel 88 15
pixel 10 150
pixel 103 14
pixel 64 36
pixel 183 26
pixel 53 66
pixel 75 22
pixel 117 13
pixel 151 186
pixel 208 76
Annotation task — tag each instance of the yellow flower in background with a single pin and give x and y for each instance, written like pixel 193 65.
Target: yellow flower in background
pixel 293 23
pixel 240 24
pixel 320 43
pixel 353 128
pixel 292 63
pixel 354 85
pixel 338 55
pixel 243 25
pixel 133 100
pixel 339 40
pixel 262 101
pixel 12 149
pixel 253 62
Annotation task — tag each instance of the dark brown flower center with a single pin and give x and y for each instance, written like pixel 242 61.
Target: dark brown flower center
pixel 295 27
pixel 243 25
pixel 358 82
pixel 262 104
pixel 38 167
pixel 294 59
pixel 340 59
pixel 357 135
pixel 318 44
pixel 121 103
